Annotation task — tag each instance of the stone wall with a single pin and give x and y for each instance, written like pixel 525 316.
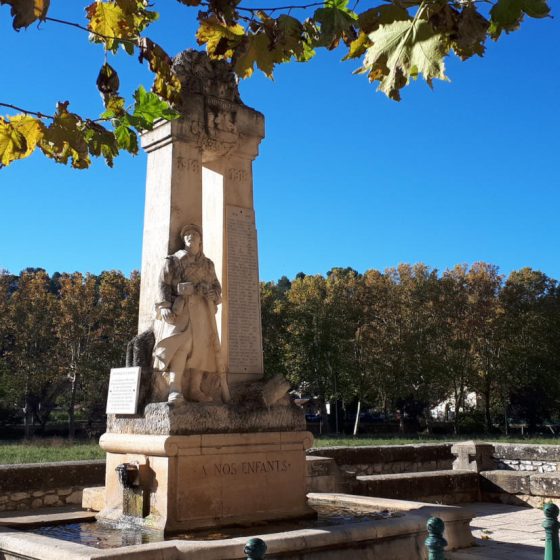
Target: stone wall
pixel 37 485
pixel 441 487
pixel 527 457
pixel 388 459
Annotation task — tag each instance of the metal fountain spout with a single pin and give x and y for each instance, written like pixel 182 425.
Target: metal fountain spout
pixel 129 474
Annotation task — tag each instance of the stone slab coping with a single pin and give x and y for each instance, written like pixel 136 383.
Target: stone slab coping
pixel 417 475
pixel 45 516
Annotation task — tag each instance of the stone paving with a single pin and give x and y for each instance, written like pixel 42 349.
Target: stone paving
pixel 504 532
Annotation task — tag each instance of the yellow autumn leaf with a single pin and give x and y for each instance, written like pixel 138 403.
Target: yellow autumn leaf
pixel 257 50
pixel 31 128
pixel 220 39
pixel 12 143
pixel 107 23
pixel 18 137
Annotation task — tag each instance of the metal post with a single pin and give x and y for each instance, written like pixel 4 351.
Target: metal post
pixel 551 525
pixel 435 543
pixel 255 549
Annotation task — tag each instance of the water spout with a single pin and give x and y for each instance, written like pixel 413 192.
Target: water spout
pixel 129 474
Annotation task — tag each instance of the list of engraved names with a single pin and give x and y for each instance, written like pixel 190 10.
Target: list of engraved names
pixel 244 320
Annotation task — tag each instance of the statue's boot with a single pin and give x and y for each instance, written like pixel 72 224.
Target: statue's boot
pixel 199 396
pixel 175 396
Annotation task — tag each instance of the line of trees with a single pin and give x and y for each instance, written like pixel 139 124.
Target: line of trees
pixel 407 338
pixel 59 337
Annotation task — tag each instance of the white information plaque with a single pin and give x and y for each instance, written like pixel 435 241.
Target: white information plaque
pixel 124 385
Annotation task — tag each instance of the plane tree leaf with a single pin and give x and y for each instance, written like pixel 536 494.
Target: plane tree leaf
pixel 166 83
pixel 108 82
pixel 25 12
pixel 466 29
pixel 118 22
pixel 336 22
pixel 101 142
pixel 64 139
pixel 507 15
pixel 255 51
pixel 402 50
pixel 220 39
pixel 148 108
pixel 370 21
pixel 18 137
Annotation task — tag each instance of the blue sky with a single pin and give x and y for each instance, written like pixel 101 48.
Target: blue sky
pixel 345 177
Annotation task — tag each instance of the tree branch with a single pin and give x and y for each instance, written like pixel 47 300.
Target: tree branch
pixel 21 110
pixel 84 28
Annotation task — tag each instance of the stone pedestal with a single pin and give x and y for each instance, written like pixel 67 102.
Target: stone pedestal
pixel 209 480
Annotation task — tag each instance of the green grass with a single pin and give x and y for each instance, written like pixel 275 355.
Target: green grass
pixel 48 451
pixel 333 441
pixel 58 449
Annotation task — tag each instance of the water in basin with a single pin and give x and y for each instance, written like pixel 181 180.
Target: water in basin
pixel 102 535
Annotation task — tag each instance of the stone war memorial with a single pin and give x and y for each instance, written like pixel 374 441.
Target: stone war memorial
pixel 209 442
pixel 197 438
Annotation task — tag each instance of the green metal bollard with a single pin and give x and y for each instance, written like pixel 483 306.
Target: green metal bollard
pixel 255 549
pixel 435 543
pixel 551 525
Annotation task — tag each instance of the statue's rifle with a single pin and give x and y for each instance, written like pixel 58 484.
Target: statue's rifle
pixel 226 397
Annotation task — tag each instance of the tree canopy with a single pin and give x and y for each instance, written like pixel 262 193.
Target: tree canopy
pixel 396 40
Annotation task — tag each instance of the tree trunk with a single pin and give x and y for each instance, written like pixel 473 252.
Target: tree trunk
pixel 487 415
pixel 356 423
pixel 71 410
pixel 28 419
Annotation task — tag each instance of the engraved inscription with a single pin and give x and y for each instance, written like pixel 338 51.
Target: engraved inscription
pixel 237 175
pixel 246 468
pixel 188 164
pixel 244 317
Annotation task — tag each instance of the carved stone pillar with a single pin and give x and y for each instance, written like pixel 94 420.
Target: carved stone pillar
pixel 200 171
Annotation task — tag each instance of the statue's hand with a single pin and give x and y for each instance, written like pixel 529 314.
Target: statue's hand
pixel 167 315
pixel 212 295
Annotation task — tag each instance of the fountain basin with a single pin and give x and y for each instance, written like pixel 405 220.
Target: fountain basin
pixel 396 538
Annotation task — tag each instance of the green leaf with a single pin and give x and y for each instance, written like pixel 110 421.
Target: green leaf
pixel 337 22
pixel 126 139
pixel 25 12
pixel 148 107
pixel 101 142
pixel 402 50
pixel 507 15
